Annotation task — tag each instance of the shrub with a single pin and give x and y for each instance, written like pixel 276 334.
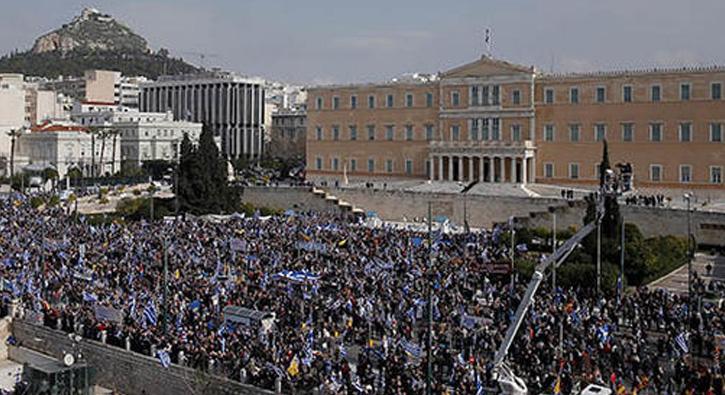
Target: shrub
pixel 36 201
pixel 54 201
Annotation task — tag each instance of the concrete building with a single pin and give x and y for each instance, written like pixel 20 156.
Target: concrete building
pixel 100 86
pixel 63 146
pixel 12 116
pixel 139 136
pixel 288 134
pixel 493 121
pixel 231 105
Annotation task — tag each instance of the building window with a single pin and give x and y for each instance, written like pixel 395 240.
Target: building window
pixel 371 165
pixel 371 101
pixel 474 96
pixel 335 164
pixel 685 173
pixel 353 132
pixel 390 101
pixel 685 132
pixel 656 93
pixel 429 100
pixel 486 99
pixel 549 96
pixel 627 94
pixel 455 132
pixel 655 173
pixel 627 132
pixel 319 103
pixel 408 167
pixel 574 95
pixel 409 132
pixel 318 130
pixel 495 129
pixel 515 132
pixel 496 95
pixel 516 97
pixel 371 132
pixel 353 165
pixel 600 132
pixel 474 129
pixel 335 103
pixel 455 99
pixel 429 132
pixel 318 163
pixel 427 168
pixel 716 133
pixel 336 133
pixel 684 92
pixel 390 132
pixel 655 132
pixel 548 170
pixel 409 100
pixel 549 133
pixel 353 102
pixel 574 133
pixel 484 129
pixel 601 94
pixel 573 171
pixel 716 91
pixel 716 174
pixel 389 165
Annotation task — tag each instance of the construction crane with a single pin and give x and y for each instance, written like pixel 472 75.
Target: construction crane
pixel 614 185
pixel 202 57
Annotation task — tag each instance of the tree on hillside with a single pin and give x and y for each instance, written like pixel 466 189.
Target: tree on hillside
pixel 202 179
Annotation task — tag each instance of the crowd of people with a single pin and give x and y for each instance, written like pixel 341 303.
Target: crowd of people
pixel 350 305
pixel 647 200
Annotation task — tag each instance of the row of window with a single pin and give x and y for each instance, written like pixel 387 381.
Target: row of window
pixel 371 132
pixel 372 101
pixel 655 93
pixel 390 167
pixel 656 172
pixel 656 132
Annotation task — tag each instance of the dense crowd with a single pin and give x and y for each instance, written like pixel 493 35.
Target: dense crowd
pixel 647 200
pixel 350 304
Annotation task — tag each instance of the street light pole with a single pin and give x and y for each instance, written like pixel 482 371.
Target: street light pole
pixel 688 198
pixel 166 286
pixel 599 257
pixel 553 250
pixel 621 266
pixel 429 376
pixel 513 250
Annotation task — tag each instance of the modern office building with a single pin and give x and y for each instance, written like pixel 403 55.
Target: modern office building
pixel 231 105
pixel 101 86
pixel 493 121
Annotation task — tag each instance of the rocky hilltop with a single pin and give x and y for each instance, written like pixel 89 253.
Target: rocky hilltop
pixel 93 40
pixel 91 30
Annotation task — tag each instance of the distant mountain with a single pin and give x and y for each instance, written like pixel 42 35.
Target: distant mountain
pixel 93 41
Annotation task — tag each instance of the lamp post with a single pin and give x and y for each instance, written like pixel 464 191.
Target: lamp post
pixel 512 220
pixel 688 198
pixel 599 257
pixel 552 210
pixel 621 265
pixel 166 286
pixel 429 376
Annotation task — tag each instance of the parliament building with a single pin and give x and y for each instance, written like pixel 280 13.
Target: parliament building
pixel 493 121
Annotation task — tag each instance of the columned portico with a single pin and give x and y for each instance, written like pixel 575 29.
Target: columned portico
pixel 498 162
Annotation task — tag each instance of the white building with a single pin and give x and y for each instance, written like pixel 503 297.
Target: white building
pixel 231 105
pixel 101 86
pixel 63 146
pixel 142 136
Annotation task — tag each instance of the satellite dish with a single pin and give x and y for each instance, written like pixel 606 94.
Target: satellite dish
pixel 68 360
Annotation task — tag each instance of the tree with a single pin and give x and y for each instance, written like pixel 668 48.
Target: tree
pixel 202 178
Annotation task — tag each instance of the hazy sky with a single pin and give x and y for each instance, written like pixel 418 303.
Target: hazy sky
pixel 320 41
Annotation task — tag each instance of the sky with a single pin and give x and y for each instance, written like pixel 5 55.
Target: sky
pixel 336 41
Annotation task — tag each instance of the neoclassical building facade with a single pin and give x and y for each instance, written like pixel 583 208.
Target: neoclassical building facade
pixel 493 121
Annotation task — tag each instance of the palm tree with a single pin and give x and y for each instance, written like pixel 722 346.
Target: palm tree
pixel 102 135
pixel 114 133
pixel 13 133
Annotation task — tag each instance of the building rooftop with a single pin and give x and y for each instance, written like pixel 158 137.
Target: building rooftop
pixel 205 76
pixel 634 72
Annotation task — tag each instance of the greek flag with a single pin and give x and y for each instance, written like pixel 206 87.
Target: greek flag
pixel 164 358
pixel 479 386
pixel 89 297
pixel 150 313
pixel 603 333
pixel 681 341
pixel 343 351
pixel 411 348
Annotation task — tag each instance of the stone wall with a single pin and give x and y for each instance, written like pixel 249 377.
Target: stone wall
pixel 484 211
pixel 283 198
pixel 128 372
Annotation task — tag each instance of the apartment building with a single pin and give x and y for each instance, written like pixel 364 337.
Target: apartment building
pixel 493 121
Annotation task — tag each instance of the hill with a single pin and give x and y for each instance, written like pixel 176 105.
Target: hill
pixel 92 41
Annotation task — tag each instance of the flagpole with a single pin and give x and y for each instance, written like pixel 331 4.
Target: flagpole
pixel 429 383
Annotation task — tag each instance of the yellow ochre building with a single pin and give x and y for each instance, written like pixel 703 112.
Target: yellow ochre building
pixel 494 121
